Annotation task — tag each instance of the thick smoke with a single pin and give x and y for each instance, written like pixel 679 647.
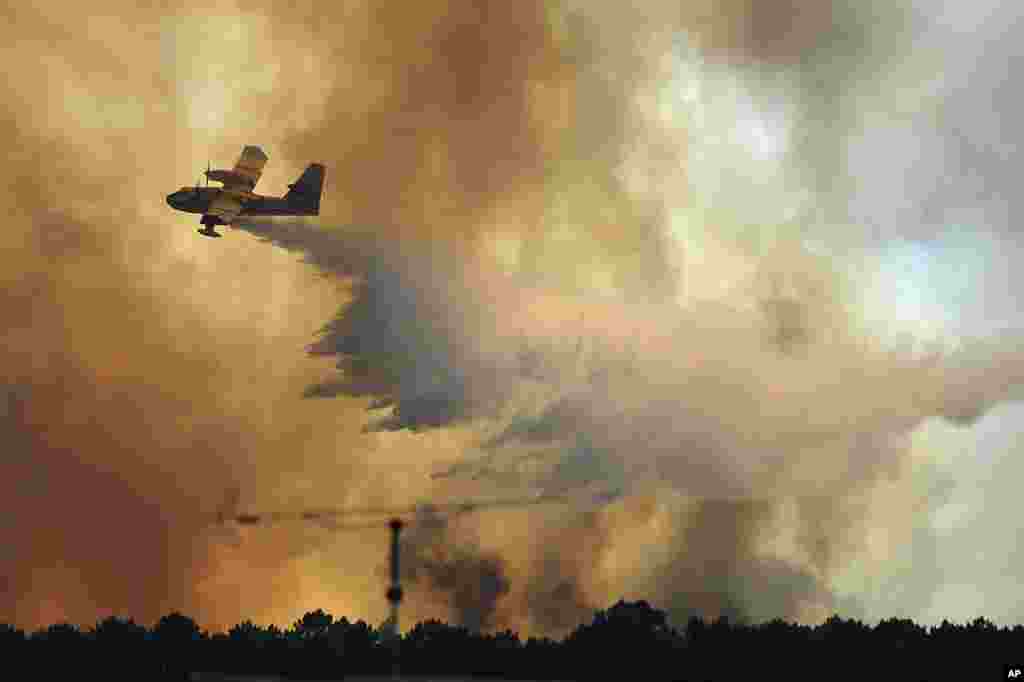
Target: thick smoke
pixel 134 378
pixel 571 246
pixel 469 580
pixel 775 411
pixel 94 436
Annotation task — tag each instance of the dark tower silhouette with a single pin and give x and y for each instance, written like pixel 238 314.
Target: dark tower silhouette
pixel 334 520
pixel 394 596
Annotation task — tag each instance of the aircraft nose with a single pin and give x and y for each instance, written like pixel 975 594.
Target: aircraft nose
pixel 171 200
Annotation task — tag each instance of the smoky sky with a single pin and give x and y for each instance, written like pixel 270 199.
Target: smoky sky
pixel 123 424
pixel 73 392
pixel 563 246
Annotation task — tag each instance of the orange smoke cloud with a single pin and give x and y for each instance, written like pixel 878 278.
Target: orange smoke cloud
pixel 498 283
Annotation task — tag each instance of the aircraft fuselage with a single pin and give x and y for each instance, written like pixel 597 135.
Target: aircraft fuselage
pixel 198 200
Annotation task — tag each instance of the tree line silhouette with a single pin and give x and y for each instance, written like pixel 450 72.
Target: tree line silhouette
pixel 628 641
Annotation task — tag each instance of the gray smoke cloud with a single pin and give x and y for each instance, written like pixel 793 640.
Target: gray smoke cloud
pixel 442 562
pixel 776 407
pixel 568 246
pixel 762 427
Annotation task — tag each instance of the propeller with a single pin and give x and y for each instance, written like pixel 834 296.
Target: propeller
pixel 207 183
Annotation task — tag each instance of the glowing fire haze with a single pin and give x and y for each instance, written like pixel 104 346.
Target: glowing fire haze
pixel 749 262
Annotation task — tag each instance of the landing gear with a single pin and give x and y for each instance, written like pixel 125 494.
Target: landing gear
pixel 208 222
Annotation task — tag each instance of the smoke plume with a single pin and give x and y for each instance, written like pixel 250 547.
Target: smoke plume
pixel 732 261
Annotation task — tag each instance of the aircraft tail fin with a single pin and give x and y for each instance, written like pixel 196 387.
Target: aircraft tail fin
pixel 304 193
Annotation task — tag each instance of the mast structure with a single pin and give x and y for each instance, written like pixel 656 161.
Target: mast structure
pixel 336 519
pixel 394 595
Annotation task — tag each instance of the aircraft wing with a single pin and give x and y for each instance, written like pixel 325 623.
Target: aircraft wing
pixel 249 167
pixel 225 207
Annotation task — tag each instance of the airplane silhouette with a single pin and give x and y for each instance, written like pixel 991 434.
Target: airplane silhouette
pixel 222 205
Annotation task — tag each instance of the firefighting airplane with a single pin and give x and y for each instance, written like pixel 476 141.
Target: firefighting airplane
pixel 221 205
